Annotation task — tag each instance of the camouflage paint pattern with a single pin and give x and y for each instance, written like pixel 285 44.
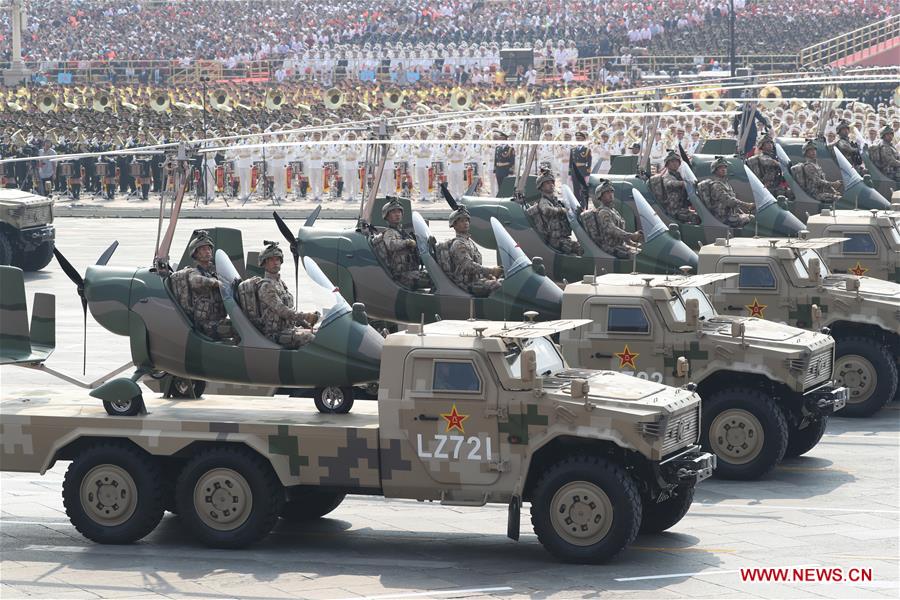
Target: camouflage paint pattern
pixel 883 227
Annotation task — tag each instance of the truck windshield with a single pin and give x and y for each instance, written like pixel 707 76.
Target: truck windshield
pixel 548 359
pixel 801 263
pixel 893 233
pixel 682 295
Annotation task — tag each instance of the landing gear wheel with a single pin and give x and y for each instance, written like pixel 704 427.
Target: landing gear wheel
pixel 181 387
pixel 38 258
pixel 585 509
pixel 6 251
pixel 801 441
pixel 311 505
pixel 746 430
pixel 113 493
pixel 228 497
pixel 869 373
pixel 659 516
pixel 124 408
pixel 334 399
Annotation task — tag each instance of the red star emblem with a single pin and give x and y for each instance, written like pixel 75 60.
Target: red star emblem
pixel 756 309
pixel 454 420
pixel 626 358
pixel 858 270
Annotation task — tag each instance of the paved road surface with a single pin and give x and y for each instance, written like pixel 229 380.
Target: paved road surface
pixel 837 507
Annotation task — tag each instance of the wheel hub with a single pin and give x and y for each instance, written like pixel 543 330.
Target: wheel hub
pixel 223 499
pixel 332 397
pixel 108 494
pixel 858 375
pixel 736 435
pixel 582 513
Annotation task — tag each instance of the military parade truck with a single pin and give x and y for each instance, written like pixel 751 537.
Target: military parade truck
pixel 766 387
pixel 26 230
pixel 786 280
pixel 468 413
pixel 872 244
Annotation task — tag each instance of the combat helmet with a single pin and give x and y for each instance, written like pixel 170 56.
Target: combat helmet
pixel 271 250
pixel 672 155
pixel 764 139
pixel 886 130
pixel 843 124
pixel 809 145
pixel 605 185
pixel 458 214
pixel 544 177
pixel 201 238
pixel 718 162
pixel 392 204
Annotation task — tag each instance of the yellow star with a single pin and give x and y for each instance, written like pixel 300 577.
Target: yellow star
pixel 454 420
pixel 756 309
pixel 627 357
pixel 858 270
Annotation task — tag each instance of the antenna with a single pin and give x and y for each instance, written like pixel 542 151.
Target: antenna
pixel 471 309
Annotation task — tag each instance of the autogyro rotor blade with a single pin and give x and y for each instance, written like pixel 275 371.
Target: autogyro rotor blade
pixel 292 241
pixel 314 215
pixel 451 201
pixel 78 280
pixel 107 254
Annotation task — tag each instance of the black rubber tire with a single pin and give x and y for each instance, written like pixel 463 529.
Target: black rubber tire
pixel 342 408
pixel 310 505
pixel 659 516
pixel 618 486
pixel 142 469
pixel 179 387
pixel 134 408
pixel 801 441
pixel 6 250
pixel 266 496
pixel 771 419
pixel 885 367
pixel 38 258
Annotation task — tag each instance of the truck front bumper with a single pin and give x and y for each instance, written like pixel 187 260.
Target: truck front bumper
pixel 31 238
pixel 692 465
pixel 825 400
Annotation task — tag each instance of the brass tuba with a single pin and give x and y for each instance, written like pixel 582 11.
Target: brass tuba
pixel 771 95
pixel 220 100
pixel 460 100
pixel 159 101
pixel 46 102
pixel 707 99
pixel 393 98
pixel 102 102
pixel 333 98
pixel 520 96
pixel 274 100
pixel 832 92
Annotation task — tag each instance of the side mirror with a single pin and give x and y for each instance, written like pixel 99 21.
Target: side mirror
pixel 528 362
pixel 692 311
pixel 579 389
pixel 682 367
pixel 815 266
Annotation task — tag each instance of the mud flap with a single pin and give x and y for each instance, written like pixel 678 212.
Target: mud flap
pixel 513 518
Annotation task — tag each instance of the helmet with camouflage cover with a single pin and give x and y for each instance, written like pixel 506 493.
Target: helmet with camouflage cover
pixel 843 124
pixel 718 162
pixel 271 250
pixel 392 204
pixel 605 185
pixel 201 238
pixel 458 214
pixel 886 130
pixel 809 145
pixel 672 155
pixel 765 139
pixel 544 177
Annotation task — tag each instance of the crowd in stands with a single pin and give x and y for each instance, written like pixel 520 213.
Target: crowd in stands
pixel 560 30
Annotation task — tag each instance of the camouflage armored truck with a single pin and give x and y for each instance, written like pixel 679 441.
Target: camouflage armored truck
pixel 26 230
pixel 766 387
pixel 788 281
pixel 872 244
pixel 469 412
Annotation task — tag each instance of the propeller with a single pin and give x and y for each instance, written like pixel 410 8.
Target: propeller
pixel 445 192
pixel 293 244
pixel 76 278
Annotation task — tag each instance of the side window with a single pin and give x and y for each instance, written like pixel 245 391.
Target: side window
pixel 455 376
pixel 627 319
pixel 756 276
pixel 859 243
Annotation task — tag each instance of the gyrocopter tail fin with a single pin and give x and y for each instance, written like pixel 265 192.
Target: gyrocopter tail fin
pixel 19 343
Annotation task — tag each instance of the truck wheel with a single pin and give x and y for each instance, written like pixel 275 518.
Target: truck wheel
pixel 181 387
pixel 6 250
pixel 746 430
pixel 585 509
pixel 801 441
pixel 868 372
pixel 113 493
pixel 38 258
pixel 659 516
pixel 228 497
pixel 334 399
pixel 310 505
pixel 127 407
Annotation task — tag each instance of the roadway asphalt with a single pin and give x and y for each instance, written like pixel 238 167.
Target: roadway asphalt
pixel 839 506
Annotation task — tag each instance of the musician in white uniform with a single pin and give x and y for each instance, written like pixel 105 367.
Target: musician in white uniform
pixel 243 165
pixel 422 155
pixel 456 158
pixel 349 158
pixel 315 154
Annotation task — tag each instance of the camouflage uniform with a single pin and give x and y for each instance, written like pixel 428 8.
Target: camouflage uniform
pixel 675 198
pixel 200 298
pixel 725 205
pixel 551 223
pixel 403 259
pixel 848 148
pixel 277 314
pixel 811 178
pixel 885 156
pixel 607 229
pixel 767 168
pixel 468 272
